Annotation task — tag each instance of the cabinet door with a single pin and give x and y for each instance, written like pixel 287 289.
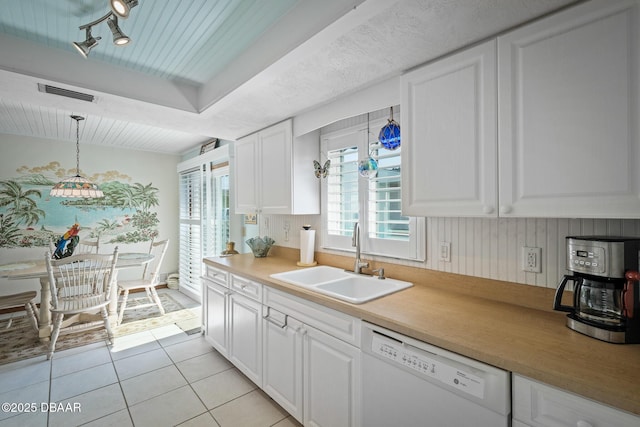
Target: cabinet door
pixel 245 174
pixel 245 336
pixel 216 317
pixel 331 381
pixel 541 405
pixel 282 361
pixel 568 114
pixel 449 146
pixel 276 169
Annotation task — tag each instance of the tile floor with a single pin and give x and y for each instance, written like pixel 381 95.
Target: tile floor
pixel 161 377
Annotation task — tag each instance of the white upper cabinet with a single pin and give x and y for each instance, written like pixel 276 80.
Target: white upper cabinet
pixel 245 174
pixel 568 133
pixel 449 147
pixel 273 173
pixel 568 114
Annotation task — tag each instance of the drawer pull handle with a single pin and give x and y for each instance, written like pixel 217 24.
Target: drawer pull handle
pixel 270 319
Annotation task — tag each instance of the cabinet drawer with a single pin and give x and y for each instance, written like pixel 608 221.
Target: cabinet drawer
pixel 246 287
pixel 332 322
pixel 538 404
pixel 217 275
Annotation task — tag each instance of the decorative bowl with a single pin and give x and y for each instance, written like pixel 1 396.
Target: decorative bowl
pixel 260 246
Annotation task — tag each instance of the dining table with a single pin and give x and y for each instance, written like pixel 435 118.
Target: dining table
pixel 37 269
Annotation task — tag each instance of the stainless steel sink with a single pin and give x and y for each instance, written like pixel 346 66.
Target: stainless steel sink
pixel 341 284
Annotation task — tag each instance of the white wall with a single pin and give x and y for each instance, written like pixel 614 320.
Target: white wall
pixel 143 167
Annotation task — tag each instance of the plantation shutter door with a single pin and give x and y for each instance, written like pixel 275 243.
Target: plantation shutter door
pixel 190 183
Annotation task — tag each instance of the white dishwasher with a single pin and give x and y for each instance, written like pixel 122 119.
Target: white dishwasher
pixel 407 383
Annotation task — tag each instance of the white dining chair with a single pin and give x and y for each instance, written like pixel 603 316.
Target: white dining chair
pixel 149 280
pixel 23 299
pixel 87 247
pixel 80 287
pixel 83 247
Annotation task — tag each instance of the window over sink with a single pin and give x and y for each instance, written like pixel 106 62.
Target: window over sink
pixel 374 200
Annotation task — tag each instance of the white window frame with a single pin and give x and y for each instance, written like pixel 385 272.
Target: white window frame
pixel 412 249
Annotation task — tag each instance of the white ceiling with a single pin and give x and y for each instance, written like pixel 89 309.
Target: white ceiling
pixel 198 69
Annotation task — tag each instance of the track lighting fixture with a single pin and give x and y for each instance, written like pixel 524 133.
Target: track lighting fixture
pixel 120 8
pixel 85 47
pixel 119 38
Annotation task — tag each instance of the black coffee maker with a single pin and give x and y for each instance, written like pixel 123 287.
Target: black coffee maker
pixel 606 296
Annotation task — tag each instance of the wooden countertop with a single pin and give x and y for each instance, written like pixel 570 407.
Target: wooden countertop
pixel 507 325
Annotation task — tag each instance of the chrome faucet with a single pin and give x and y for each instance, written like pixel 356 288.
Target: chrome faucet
pixel 355 241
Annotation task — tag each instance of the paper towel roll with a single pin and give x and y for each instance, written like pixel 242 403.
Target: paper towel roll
pixel 307 244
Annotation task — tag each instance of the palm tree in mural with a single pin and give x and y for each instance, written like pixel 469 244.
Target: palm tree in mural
pixel 9 232
pixel 142 224
pixel 19 203
pixel 104 226
pixel 29 215
pixel 124 198
pixel 145 196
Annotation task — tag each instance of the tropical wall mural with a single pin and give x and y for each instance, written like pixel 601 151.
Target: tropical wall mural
pixel 29 217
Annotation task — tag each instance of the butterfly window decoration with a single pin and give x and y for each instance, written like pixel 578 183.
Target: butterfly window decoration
pixel 321 171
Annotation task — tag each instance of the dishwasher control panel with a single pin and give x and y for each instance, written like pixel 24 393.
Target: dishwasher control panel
pixel 429 365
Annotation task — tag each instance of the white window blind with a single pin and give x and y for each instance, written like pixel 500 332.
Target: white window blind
pixel 385 198
pixel 342 191
pixel 190 268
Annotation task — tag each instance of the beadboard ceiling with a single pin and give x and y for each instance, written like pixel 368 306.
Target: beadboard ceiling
pixel 198 69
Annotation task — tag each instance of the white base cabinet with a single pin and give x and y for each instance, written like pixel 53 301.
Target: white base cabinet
pixel 331 380
pixel 283 360
pixel 307 370
pixel 245 336
pixel 216 323
pixel 540 405
pixel 233 320
pixel 303 355
pixel 215 298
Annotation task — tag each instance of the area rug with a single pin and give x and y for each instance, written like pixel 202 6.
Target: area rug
pixel 21 341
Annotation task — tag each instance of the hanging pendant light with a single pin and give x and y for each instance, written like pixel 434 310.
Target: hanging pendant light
pixel 76 186
pixel 390 134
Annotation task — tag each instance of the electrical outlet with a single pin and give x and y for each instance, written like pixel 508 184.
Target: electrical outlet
pixel 445 251
pixel 532 259
pixel 286 227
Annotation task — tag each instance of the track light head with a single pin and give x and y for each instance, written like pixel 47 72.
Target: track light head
pixel 85 47
pixel 119 38
pixel 121 8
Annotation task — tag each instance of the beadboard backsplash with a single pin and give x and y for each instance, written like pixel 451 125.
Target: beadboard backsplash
pixel 488 248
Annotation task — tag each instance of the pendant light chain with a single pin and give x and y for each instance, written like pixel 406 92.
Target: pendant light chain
pixel 77 147
pixel 77 119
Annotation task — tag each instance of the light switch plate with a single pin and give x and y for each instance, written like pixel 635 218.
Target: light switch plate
pixel 445 251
